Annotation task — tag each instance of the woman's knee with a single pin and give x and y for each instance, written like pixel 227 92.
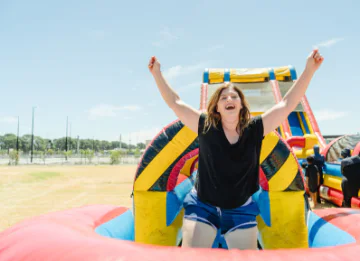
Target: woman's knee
pixel 197 234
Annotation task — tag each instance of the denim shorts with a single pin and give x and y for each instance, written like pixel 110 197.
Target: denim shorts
pixel 225 220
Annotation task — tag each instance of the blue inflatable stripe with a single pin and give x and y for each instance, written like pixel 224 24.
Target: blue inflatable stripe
pixel 175 198
pixel 206 76
pixel 121 227
pixel 271 74
pixel 304 122
pixel 293 73
pixel 319 231
pixel 295 124
pixel 333 169
pixel 261 197
pixel 226 75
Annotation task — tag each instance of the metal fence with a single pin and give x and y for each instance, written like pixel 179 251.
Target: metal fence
pixel 62 160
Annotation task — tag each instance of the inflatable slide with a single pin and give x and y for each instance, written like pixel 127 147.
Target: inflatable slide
pixel 300 129
pixel 331 189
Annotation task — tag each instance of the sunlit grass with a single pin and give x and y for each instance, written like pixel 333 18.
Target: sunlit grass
pixel 28 191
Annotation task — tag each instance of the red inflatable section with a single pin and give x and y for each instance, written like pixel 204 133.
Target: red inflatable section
pixel 69 235
pixel 337 197
pixel 356 150
pixel 296 141
pixel 342 218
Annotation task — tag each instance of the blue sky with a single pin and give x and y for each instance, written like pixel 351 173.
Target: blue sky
pixel 88 59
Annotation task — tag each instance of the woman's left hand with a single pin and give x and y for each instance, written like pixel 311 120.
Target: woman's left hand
pixel 314 60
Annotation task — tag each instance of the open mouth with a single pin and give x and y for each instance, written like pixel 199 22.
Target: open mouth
pixel 230 107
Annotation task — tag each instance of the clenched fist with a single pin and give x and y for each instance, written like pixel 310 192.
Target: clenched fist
pixel 154 65
pixel 314 60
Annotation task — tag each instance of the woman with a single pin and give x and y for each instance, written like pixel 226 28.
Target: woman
pixel 229 150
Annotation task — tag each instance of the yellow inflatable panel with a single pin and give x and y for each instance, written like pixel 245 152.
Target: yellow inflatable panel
pixel 150 219
pixel 287 208
pixel 334 182
pixel 284 207
pixel 281 73
pixel 164 159
pixel 310 141
pixel 308 123
pixel 269 143
pixel 301 122
pixel 303 154
pixel 187 167
pixel 216 75
pixel 249 75
pixel 285 175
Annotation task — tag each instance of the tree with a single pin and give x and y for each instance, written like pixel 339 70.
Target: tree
pixel 141 145
pixel 14 157
pixel 25 143
pixel 137 152
pixel 9 141
pixel 89 155
pixel 115 157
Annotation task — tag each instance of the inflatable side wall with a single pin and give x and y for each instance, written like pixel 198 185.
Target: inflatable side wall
pixel 166 174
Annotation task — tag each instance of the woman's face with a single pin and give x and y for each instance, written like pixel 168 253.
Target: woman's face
pixel 229 102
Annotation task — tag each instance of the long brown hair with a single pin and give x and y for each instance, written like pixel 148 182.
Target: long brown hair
pixel 214 117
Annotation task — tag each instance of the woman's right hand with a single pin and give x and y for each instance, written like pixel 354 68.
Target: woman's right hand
pixel 154 65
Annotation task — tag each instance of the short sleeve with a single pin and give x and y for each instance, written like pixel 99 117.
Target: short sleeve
pixel 257 127
pixel 201 124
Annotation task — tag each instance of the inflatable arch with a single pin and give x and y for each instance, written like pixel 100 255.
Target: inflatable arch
pixel 158 195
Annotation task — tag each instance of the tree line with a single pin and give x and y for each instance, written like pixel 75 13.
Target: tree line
pixel 10 141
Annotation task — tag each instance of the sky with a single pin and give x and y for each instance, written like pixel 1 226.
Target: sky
pixel 87 60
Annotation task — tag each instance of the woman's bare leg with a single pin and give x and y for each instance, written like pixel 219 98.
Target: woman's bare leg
pixel 197 234
pixel 242 238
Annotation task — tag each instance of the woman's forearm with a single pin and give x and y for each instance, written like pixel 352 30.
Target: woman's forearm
pixel 168 94
pixel 297 91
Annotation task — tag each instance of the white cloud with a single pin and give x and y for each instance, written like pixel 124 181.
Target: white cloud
pixel 166 37
pixel 8 119
pixel 179 70
pixel 107 110
pixel 328 115
pixel 215 48
pixel 330 42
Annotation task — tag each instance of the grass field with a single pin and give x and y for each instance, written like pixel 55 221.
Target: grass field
pixel 28 191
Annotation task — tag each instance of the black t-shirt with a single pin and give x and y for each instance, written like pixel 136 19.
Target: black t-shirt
pixel 228 174
pixel 319 164
pixel 312 173
pixel 350 168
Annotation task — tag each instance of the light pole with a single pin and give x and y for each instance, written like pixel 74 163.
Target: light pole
pixel 32 135
pixel 66 139
pixel 17 137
